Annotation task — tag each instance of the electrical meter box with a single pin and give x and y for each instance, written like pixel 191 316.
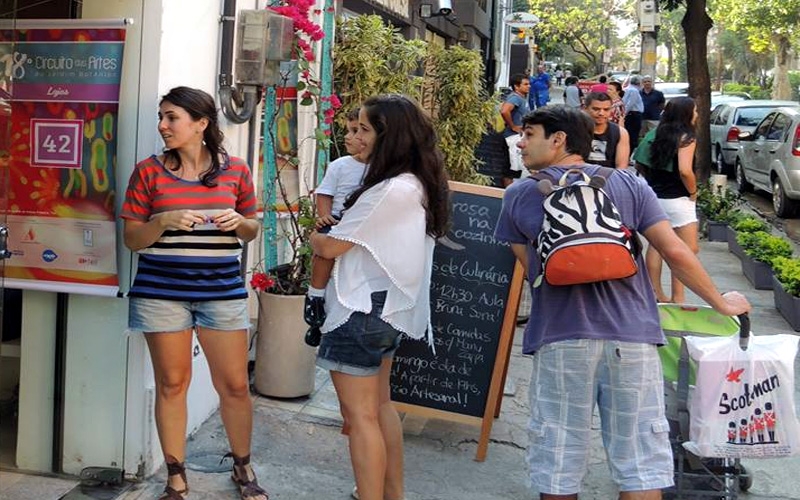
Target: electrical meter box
pixel 264 39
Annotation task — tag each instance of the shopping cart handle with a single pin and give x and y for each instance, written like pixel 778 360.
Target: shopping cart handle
pixel 744 331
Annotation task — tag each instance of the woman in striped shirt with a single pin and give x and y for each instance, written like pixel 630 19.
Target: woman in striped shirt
pixel 186 213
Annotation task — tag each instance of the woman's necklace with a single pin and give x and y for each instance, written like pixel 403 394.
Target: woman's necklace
pixel 192 174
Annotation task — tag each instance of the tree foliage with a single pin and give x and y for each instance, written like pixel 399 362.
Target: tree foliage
pixel 372 58
pixel 585 26
pixel 767 24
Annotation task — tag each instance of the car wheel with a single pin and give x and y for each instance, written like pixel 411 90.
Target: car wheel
pixel 722 167
pixel 741 180
pixel 784 207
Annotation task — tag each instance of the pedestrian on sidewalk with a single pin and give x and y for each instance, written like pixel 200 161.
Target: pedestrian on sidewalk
pixel 383 248
pixel 634 107
pixel 666 159
pixel 595 344
pixel 185 212
pixel 610 145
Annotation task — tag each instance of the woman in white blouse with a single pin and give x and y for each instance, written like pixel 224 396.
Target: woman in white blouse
pixel 383 248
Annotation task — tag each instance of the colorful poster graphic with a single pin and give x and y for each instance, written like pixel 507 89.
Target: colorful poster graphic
pixel 64 94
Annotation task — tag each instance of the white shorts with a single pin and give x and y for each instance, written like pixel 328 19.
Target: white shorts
pixel 681 211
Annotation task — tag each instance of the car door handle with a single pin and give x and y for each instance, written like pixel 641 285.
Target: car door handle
pixel 773 151
pixel 756 150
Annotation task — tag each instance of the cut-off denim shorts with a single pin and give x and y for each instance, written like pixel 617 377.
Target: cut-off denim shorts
pixel 359 346
pixel 159 315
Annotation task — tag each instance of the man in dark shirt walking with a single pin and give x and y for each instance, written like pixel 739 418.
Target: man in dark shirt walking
pixel 654 103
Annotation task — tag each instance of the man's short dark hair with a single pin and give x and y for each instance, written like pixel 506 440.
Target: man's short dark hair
pixel 516 79
pixel 603 79
pixel 576 124
pixel 595 96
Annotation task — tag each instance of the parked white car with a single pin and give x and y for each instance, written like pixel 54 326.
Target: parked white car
pixel 730 119
pixel 769 159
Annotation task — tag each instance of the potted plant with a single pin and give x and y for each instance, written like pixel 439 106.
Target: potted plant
pixel 786 289
pixel 284 364
pixel 743 224
pixel 760 248
pixel 717 207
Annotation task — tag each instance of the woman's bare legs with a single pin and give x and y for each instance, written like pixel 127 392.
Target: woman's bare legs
pixel 226 353
pixel 392 430
pixel 654 264
pixel 171 354
pixel 359 398
pixel 688 234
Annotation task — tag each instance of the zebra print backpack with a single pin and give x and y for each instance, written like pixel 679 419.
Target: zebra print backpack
pixel 583 239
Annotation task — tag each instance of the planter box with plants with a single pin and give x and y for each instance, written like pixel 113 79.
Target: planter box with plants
pixel 717 208
pixel 760 248
pixel 786 289
pixel 744 224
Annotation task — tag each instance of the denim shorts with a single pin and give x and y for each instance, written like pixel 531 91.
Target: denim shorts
pixel 359 346
pixel 624 380
pixel 159 315
pixel 681 211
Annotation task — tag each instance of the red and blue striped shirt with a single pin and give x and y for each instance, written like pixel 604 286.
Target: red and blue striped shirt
pixel 198 265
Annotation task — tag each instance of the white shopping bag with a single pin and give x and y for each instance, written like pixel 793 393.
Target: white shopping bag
pixel 515 154
pixel 743 402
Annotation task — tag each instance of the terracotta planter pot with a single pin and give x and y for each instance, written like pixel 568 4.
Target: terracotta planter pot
pixel 733 246
pixel 788 305
pixel 284 363
pixel 717 231
pixel 757 273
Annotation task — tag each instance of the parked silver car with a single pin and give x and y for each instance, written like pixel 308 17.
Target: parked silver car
pixel 769 158
pixel 728 120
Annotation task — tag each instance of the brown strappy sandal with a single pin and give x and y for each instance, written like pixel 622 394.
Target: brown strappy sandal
pixel 175 468
pixel 245 478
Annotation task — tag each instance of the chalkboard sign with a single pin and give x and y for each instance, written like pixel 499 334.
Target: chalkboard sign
pixel 472 297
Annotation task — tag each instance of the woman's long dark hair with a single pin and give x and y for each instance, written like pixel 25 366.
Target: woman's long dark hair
pixel 675 130
pixel 199 105
pixel 405 142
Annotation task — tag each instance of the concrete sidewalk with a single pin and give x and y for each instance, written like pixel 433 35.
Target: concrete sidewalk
pixel 300 454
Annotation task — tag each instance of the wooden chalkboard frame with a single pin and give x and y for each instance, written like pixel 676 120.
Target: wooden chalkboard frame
pixel 500 369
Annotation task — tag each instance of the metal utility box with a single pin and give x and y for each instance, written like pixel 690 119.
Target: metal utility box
pixel 264 38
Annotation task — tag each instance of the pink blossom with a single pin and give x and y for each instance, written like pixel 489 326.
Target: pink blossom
pixel 327 132
pixel 335 102
pixel 328 120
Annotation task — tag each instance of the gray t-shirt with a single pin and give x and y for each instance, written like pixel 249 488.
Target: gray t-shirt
pixel 343 176
pixel 521 109
pixel 623 310
pixel 572 96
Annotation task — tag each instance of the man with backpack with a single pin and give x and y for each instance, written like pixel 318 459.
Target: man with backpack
pixel 594 324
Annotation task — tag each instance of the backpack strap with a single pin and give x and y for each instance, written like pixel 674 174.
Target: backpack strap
pixel 540 175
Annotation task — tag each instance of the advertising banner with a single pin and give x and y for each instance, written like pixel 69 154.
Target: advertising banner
pixel 64 88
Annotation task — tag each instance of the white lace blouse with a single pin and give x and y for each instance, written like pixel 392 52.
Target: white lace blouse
pixel 392 252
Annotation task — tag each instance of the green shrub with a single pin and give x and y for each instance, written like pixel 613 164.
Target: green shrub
pixel 750 224
pixel 787 271
pixel 719 206
pixel 755 91
pixel 763 246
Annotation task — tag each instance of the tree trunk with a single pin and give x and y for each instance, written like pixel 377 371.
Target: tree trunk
pixel 670 62
pixel 781 88
pixel 696 24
